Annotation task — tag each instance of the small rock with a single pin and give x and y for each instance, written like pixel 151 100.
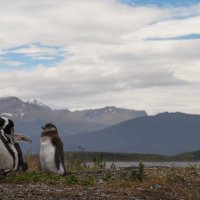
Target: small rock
pixel 80 194
pixel 100 181
pixel 157 187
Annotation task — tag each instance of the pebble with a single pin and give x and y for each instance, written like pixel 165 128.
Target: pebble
pixel 157 187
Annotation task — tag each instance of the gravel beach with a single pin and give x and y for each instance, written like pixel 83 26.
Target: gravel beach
pixel 158 183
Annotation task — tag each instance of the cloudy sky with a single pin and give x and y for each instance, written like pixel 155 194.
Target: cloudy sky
pixel 79 54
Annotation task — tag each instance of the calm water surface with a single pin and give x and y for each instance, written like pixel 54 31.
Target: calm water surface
pixel 151 164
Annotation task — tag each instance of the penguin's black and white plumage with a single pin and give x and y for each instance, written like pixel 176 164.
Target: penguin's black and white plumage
pixel 7 125
pixel 51 151
pixel 9 155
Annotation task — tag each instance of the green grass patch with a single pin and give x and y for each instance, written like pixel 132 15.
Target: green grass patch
pixel 34 177
pixel 71 180
pixel 40 177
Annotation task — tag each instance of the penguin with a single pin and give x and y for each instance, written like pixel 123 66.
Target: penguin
pixel 9 156
pixel 51 151
pixel 9 128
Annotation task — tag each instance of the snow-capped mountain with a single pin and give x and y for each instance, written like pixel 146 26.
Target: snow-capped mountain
pixel 30 116
pixel 37 103
pixel 17 109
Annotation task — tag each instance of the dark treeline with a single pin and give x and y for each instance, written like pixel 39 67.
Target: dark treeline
pixel 84 156
pixel 90 156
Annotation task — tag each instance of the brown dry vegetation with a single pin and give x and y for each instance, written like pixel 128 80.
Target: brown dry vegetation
pixel 154 183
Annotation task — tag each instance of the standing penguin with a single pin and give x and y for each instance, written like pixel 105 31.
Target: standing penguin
pixel 9 156
pixel 51 151
pixel 9 129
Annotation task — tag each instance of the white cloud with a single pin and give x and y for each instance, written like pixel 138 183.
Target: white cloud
pixel 108 59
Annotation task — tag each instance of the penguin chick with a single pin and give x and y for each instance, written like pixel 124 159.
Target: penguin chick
pixel 51 151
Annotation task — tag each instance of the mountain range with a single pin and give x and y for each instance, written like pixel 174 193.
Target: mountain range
pixel 164 133
pixel 108 129
pixel 30 116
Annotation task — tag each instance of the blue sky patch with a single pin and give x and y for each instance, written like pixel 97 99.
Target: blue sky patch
pixel 182 37
pixel 29 56
pixel 161 3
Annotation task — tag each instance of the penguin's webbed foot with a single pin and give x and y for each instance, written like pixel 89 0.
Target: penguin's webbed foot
pixel 23 167
pixel 5 172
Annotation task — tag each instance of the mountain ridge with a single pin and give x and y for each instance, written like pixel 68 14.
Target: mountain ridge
pixel 30 116
pixel 165 133
pixel 101 129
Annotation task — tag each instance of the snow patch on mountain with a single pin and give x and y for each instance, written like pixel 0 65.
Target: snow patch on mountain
pixel 7 114
pixel 37 103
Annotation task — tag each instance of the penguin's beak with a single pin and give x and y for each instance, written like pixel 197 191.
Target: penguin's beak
pixel 21 138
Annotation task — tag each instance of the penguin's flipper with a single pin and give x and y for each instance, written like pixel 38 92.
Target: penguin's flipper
pixel 59 152
pixel 57 159
pixel 20 138
pixel 22 165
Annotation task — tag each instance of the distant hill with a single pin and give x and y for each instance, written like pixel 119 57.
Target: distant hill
pixel 30 116
pixel 165 133
pixel 188 156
